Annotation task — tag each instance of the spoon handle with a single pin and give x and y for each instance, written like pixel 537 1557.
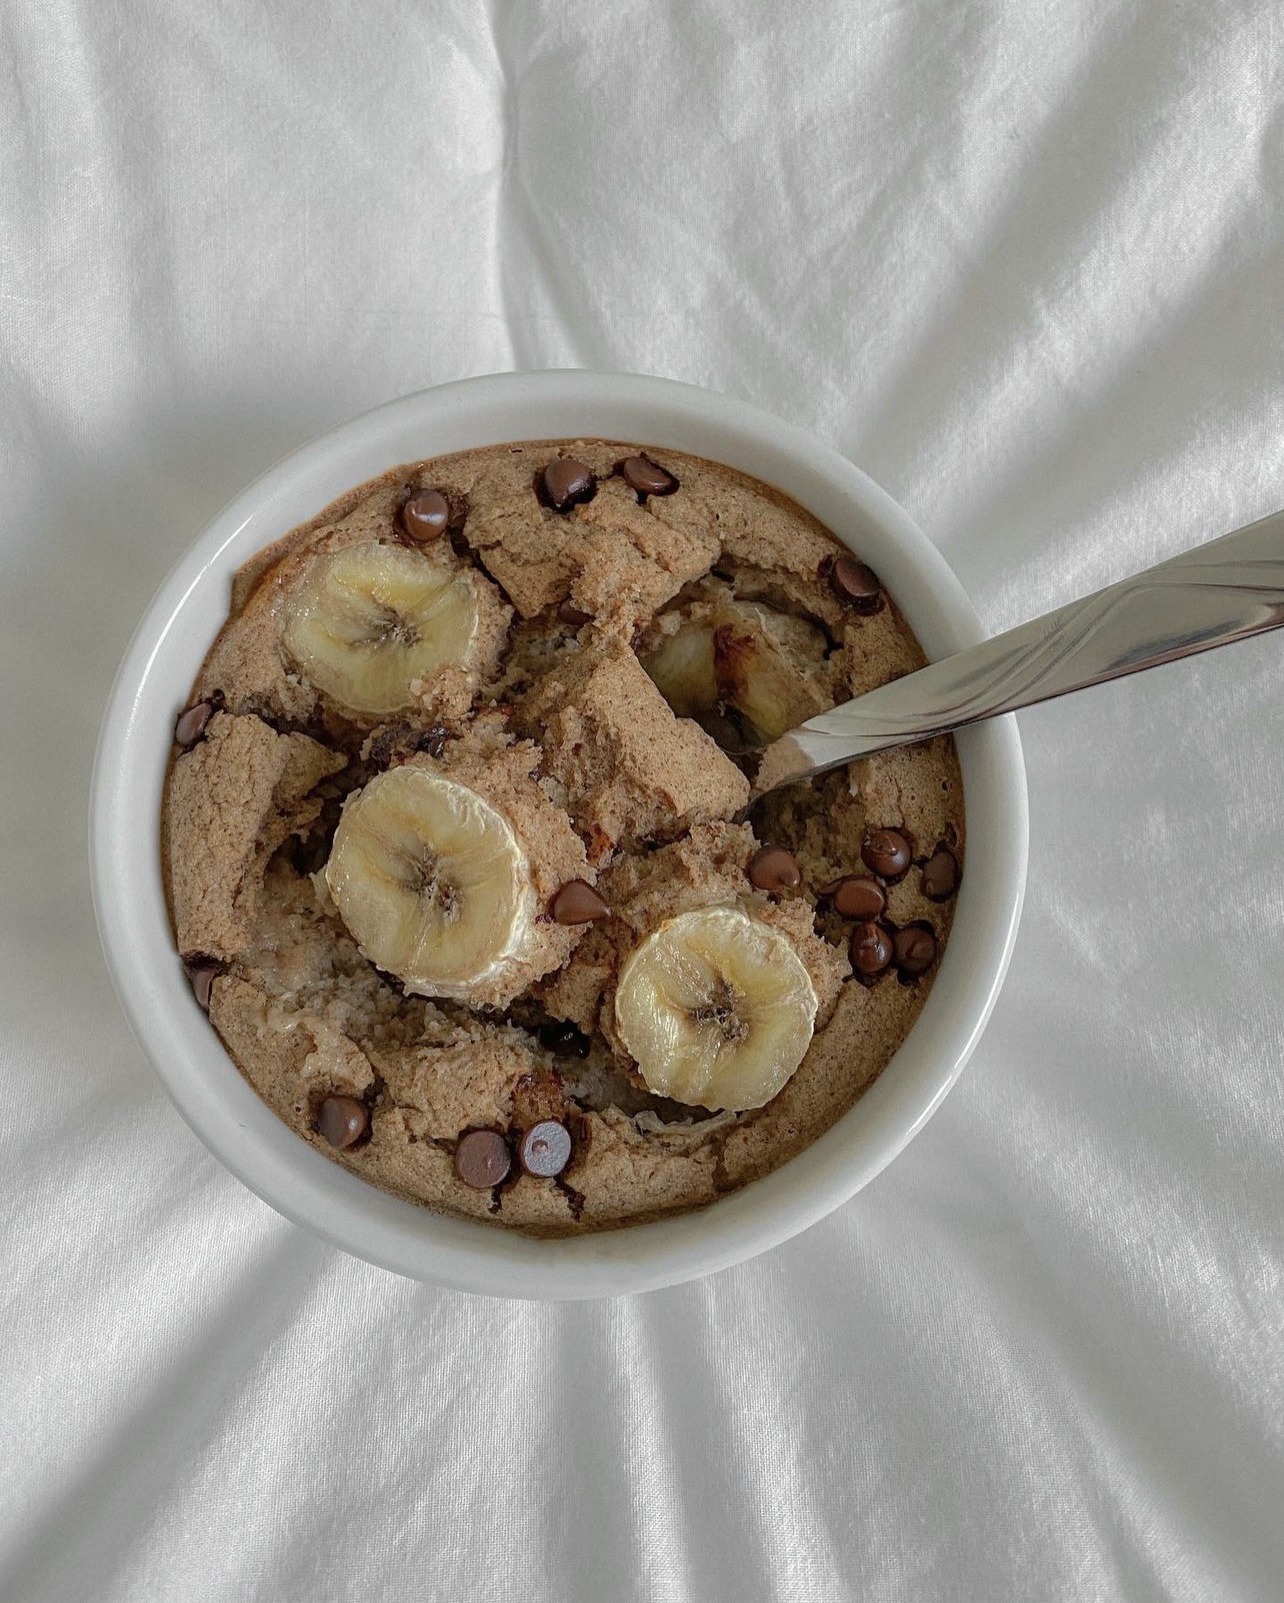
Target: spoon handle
pixel 1225 590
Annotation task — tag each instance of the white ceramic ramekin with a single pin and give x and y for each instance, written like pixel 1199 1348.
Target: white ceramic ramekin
pixel 225 1113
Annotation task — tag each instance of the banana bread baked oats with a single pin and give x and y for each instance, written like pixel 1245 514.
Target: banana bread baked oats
pixel 450 844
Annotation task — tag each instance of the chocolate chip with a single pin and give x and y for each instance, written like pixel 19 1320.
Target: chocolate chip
pixel 567 483
pixel 772 868
pixel 482 1158
pixel 201 977
pixel 856 583
pixel 870 949
pixel 382 747
pixel 858 897
pixel 887 852
pixel 940 875
pixel 192 722
pixel 577 903
pixel 308 854
pixel 398 741
pixel 424 517
pixel 640 473
pixel 568 613
pixel 563 1038
pixel 342 1120
pixel 914 949
pixel 546 1150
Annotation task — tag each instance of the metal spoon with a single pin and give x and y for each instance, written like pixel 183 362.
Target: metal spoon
pixel 1226 590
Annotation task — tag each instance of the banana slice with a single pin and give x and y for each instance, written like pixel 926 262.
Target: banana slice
pixel 716 1008
pixel 370 621
pixel 745 656
pixel 681 668
pixel 757 674
pixel 431 882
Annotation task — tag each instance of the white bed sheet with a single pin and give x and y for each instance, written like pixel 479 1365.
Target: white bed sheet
pixel 1022 262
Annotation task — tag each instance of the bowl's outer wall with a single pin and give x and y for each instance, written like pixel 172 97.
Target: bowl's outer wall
pixel 134 748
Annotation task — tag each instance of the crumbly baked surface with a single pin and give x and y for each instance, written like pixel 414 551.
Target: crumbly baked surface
pixel 555 720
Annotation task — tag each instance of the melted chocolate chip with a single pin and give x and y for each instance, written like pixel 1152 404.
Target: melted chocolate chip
pixel 192 722
pixel 566 483
pixel 424 517
pixel 858 897
pixel 773 868
pixel 640 473
pixel 563 1038
pixel 395 744
pixel 383 747
pixel 201 976
pixel 546 1149
pixel 914 949
pixel 855 583
pixel 569 614
pixel 342 1120
pixel 482 1159
pixel 886 852
pixel 940 875
pixel 577 903
pixel 870 949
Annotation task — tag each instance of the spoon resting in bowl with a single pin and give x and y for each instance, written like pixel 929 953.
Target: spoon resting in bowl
pixel 1226 590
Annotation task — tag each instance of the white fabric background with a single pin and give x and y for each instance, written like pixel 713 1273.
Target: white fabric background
pixel 1023 262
